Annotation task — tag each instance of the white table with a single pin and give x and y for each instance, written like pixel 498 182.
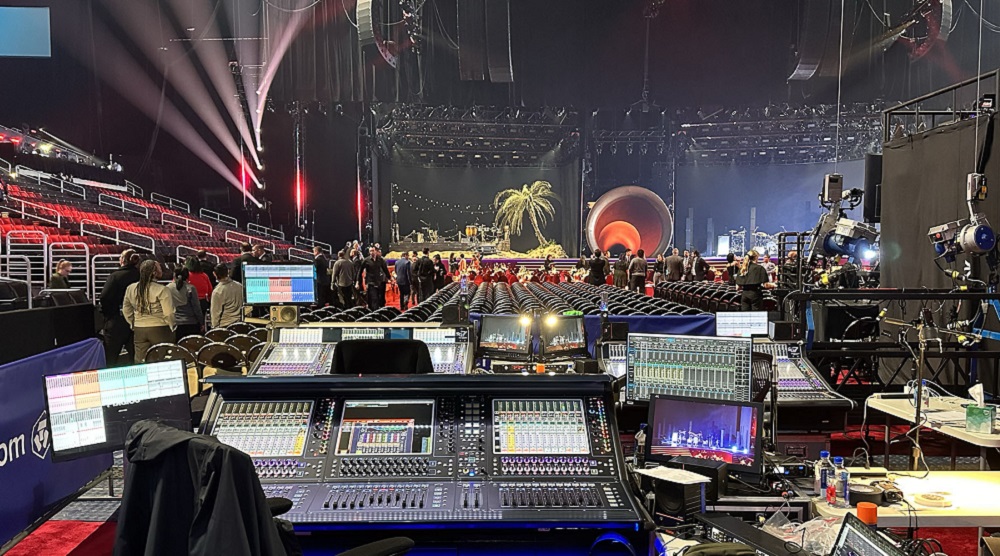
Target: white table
pixel 903 409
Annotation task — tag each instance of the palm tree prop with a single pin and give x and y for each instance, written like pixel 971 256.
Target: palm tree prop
pixel 531 200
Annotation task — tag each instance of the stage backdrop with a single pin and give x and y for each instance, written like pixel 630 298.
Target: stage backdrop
pixel 785 196
pixel 442 197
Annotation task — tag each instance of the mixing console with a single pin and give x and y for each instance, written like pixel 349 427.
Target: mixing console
pixel 702 367
pixel 449 348
pixel 296 359
pixel 520 452
pixel 613 356
pixel 798 380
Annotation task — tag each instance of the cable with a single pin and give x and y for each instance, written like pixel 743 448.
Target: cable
pixel 293 10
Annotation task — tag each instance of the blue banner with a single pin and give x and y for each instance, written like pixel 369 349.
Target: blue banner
pixel 30 482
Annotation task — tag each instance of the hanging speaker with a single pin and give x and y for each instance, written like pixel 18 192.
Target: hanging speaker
pixel 285 315
pixel 873 188
pixel 630 217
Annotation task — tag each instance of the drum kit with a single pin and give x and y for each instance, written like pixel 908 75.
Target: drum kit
pixel 475 233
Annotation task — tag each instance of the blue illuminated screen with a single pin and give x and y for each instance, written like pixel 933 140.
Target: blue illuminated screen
pixel 24 32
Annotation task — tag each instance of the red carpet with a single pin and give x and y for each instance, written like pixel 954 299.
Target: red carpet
pixel 60 538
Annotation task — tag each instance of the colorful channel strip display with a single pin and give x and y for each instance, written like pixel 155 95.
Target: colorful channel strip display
pixel 280 284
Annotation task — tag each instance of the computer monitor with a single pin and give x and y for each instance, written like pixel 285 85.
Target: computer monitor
pixel 741 324
pixel 713 430
pixel 562 336
pixel 695 366
pixel 386 427
pixel 856 538
pixel 276 284
pixel 505 336
pixel 91 412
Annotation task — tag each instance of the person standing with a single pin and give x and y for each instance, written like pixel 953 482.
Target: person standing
pixel 699 266
pixel 425 276
pixel 60 278
pixel 637 272
pixel 374 275
pixel 659 267
pixel 343 281
pixel 227 299
pixel 598 269
pixel 688 268
pixel 117 333
pixel 621 271
pixel 206 266
pixel 246 256
pixel 188 316
pixel 732 268
pixel 753 279
pixel 322 265
pixel 201 282
pixel 440 273
pixel 149 310
pixel 403 280
pixel 414 283
pixel 675 266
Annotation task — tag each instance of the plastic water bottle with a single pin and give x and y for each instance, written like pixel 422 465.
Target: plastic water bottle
pixel 824 472
pixel 464 288
pixel 843 477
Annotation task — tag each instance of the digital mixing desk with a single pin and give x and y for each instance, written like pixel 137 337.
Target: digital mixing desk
pixel 440 451
pixel 308 351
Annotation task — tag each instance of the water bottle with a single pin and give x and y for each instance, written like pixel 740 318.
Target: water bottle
pixel 464 288
pixel 824 471
pixel 639 448
pixel 843 478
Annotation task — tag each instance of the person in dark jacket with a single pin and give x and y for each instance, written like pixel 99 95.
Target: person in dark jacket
pixel 637 272
pixel 598 269
pixel 322 265
pixel 424 269
pixel 732 268
pixel 414 282
pixel 675 266
pixel 659 269
pixel 343 281
pixel 207 266
pixel 60 278
pixel 374 275
pixel 188 493
pixel 621 271
pixel 699 266
pixel 246 256
pixel 403 280
pixel 753 279
pixel 440 273
pixel 116 332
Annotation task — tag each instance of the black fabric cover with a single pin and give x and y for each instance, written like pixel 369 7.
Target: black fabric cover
pixel 190 494
pixel 382 357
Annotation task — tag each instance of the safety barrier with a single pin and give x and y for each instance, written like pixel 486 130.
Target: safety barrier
pixel 30 244
pixel 265 231
pixel 218 217
pixel 17 268
pixel 183 252
pixel 121 204
pixel 78 254
pixel 295 254
pixel 170 202
pixel 117 235
pixel 101 266
pixel 186 223
pixel 34 211
pixel 309 243
pixel 240 237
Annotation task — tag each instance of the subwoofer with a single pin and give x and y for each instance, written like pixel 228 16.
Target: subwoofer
pixel 630 217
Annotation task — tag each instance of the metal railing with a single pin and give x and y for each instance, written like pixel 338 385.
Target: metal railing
pixel 186 223
pixel 133 189
pixel 118 203
pixel 218 217
pixel 265 231
pixel 48 180
pixel 117 235
pixel 7 167
pixel 34 211
pixel 170 202
pixel 17 268
pixel 101 266
pixel 296 254
pixel 79 255
pixel 300 241
pixel 240 237
pixel 32 245
pixel 944 103
pixel 184 251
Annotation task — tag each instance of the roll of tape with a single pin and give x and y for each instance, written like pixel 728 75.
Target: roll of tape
pixel 934 499
pixel 865 493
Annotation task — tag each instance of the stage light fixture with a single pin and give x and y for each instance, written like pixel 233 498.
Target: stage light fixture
pixel 525 320
pixel 551 320
pixel 868 255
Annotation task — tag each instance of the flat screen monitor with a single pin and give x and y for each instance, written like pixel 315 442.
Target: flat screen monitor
pixel 92 411
pixel 505 336
pixel 389 427
pixel 714 430
pixel 695 366
pixel 856 538
pixel 562 336
pixel 25 32
pixel 276 284
pixel 741 324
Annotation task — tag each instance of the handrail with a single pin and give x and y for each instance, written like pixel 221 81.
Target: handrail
pixel 133 189
pixel 5 263
pixel 117 237
pixel 123 205
pixel 218 217
pixel 265 231
pixel 310 243
pixel 186 223
pixel 71 251
pixel 44 218
pixel 170 202
pixel 240 237
pixel 193 251
pixel 110 264
pixel 295 256
pixel 42 178
pixel 7 166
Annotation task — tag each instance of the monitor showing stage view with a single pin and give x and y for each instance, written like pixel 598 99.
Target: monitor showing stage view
pixel 390 427
pixel 563 336
pixel 91 411
pixel 505 336
pixel 741 324
pixel 706 429
pixel 275 284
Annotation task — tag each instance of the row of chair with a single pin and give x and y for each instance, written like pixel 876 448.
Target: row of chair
pixel 712 297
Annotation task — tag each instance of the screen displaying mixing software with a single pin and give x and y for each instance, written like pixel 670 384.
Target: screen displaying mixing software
pixel 279 283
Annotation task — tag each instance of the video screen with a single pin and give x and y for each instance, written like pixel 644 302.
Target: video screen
pixel 279 283
pixel 858 539
pixel 92 411
pixel 563 335
pixel 25 32
pixel 386 427
pixel 539 427
pixel 741 324
pixel 709 430
pixel 505 334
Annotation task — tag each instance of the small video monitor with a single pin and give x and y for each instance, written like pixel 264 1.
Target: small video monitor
pixel 91 412
pixel 856 538
pixel 386 427
pixel 716 430
pixel 741 324
pixel 562 336
pixel 277 284
pixel 505 336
